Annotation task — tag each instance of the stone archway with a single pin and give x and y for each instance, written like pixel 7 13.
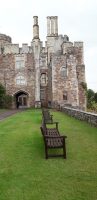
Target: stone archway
pixel 21 99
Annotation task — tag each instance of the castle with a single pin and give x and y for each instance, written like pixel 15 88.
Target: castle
pixel 43 76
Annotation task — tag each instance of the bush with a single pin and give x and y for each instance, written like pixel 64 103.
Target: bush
pixel 8 101
pixel 2 95
pixel 5 100
pixel 94 106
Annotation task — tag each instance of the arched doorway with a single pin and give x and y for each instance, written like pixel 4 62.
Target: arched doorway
pixel 21 99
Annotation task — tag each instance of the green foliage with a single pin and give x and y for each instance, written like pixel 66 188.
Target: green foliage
pixel 26 175
pixel 95 97
pixel 2 95
pixel 84 85
pixel 5 100
pixel 94 106
pixel 90 94
pixel 8 101
pixel 2 90
pixel 91 98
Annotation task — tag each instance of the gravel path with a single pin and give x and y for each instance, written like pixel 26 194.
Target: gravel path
pixel 8 113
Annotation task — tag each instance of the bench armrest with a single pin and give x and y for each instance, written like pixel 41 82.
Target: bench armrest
pixel 56 123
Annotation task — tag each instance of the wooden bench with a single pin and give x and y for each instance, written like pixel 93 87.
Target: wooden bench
pixel 47 117
pixel 53 140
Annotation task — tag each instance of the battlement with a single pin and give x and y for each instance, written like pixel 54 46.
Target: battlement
pixel 15 49
pixel 25 48
pixel 78 44
pixel 65 46
pixel 69 46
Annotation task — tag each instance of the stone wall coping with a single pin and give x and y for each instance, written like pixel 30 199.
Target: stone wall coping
pixel 89 117
pixel 81 111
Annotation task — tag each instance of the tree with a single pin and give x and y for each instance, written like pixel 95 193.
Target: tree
pixel 95 97
pixel 8 101
pixel 90 97
pixel 2 95
pixel 2 90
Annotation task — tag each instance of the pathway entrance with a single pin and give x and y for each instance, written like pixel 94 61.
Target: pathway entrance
pixel 21 99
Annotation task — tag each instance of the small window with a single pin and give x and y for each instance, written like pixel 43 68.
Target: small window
pixel 2 50
pixel 65 95
pixel 43 79
pixel 42 62
pixel 42 94
pixel 20 80
pixel 64 71
pixel 19 64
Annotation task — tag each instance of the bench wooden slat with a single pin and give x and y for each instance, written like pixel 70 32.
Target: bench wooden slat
pixel 53 140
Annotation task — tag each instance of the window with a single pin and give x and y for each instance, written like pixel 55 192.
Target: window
pixel 43 62
pixel 64 71
pixel 42 94
pixel 2 50
pixel 20 80
pixel 19 62
pixel 43 79
pixel 65 95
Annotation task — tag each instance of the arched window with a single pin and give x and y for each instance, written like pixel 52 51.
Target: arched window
pixel 20 80
pixel 64 71
pixel 43 79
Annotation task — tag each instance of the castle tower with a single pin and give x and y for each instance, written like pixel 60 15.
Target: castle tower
pixel 52 26
pixel 35 28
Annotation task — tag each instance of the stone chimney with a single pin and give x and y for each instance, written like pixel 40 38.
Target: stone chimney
pixel 35 28
pixel 52 26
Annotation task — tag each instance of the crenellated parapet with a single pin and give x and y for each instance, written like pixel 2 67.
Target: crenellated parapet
pixel 75 49
pixel 15 49
pixel 66 46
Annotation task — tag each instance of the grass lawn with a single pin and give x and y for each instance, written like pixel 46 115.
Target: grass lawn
pixel 26 175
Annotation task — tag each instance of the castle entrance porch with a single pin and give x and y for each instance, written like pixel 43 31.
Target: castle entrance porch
pixel 21 99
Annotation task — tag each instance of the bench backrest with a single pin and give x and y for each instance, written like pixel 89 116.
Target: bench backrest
pixel 47 117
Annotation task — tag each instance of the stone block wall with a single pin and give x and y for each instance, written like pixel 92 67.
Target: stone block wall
pixel 54 73
pixel 64 84
pixel 9 73
pixel 91 118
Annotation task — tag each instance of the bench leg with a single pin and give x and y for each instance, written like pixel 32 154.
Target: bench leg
pixel 46 152
pixel 64 149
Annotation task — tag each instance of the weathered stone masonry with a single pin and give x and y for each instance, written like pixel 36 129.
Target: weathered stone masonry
pixel 91 118
pixel 35 75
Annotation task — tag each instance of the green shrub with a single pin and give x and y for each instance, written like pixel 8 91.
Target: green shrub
pixel 5 100
pixel 8 101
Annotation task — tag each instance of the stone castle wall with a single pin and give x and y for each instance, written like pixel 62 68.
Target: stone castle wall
pixel 49 75
pixel 9 74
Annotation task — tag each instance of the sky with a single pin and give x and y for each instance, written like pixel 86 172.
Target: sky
pixel 76 18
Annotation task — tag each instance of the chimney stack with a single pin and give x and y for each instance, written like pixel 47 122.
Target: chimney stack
pixel 35 28
pixel 52 26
